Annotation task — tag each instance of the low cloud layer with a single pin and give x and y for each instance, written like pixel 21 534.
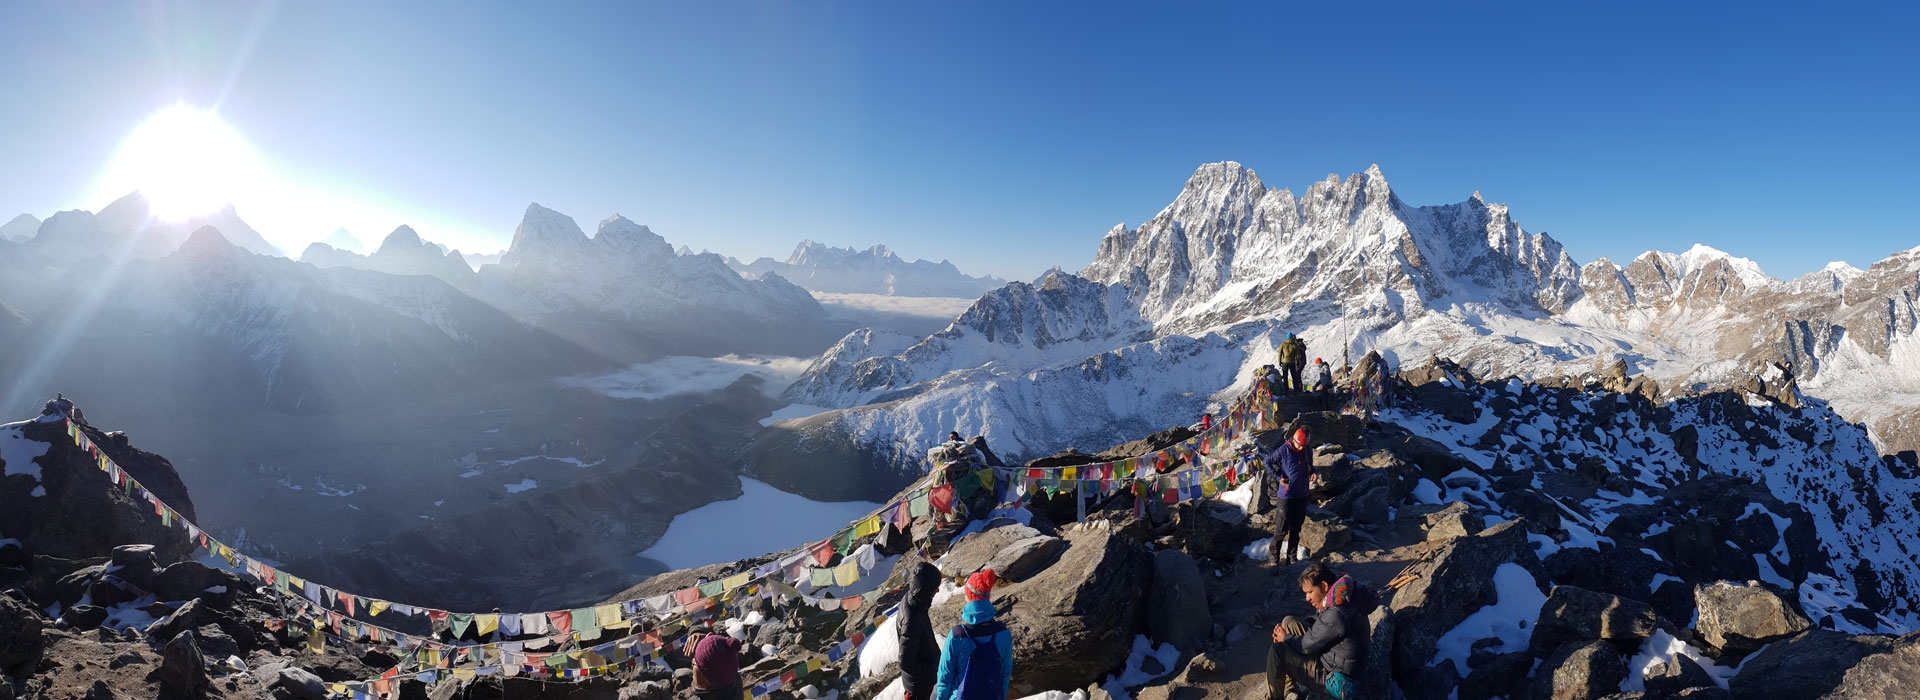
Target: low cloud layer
pixel 685 374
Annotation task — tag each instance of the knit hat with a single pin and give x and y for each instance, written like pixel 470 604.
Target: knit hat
pixel 980 585
pixel 1300 437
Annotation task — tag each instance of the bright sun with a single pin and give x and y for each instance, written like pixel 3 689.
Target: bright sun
pixel 186 161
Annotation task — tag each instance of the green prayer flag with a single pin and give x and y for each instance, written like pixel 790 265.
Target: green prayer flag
pixel 711 589
pixel 917 506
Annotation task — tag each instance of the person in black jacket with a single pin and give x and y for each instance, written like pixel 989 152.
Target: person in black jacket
pixel 919 649
pixel 1325 651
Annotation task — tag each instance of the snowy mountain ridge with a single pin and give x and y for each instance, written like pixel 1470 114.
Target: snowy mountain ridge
pixel 1178 311
pixel 876 270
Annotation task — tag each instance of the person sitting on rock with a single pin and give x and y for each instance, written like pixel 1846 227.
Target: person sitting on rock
pixel 1327 650
pixel 1322 377
pixel 716 665
pixel 978 661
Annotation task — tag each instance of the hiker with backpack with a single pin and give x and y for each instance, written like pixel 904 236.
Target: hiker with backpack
pixel 919 650
pixel 1290 466
pixel 1293 358
pixel 1327 650
pixel 978 661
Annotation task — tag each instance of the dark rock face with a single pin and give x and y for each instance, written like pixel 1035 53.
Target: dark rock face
pixel 1450 587
pixel 1177 611
pixel 79 512
pixel 1737 619
pixel 20 639
pixel 1814 664
pixel 1579 615
pixel 1579 671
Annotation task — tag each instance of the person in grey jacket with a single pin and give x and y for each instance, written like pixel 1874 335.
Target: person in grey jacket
pixel 1326 650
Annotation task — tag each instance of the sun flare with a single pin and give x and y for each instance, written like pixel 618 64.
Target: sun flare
pixel 186 162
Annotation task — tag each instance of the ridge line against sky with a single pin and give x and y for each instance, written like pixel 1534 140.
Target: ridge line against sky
pixel 1003 137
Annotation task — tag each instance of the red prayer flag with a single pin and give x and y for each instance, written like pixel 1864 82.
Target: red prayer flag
pixel 823 552
pixel 941 498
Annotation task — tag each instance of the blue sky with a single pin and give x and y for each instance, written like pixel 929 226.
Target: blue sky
pixel 1004 136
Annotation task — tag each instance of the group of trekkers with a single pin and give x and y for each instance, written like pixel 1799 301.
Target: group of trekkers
pixel 1317 655
pixel 1362 385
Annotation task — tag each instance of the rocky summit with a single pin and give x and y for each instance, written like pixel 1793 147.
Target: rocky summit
pixel 1526 541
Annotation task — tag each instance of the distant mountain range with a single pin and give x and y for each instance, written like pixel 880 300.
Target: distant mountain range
pixel 875 270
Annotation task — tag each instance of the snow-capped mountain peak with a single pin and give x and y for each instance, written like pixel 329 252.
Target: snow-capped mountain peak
pixel 875 270
pixel 542 232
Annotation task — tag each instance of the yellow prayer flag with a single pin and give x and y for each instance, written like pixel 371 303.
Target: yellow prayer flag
pixel 609 615
pixel 464 674
pixel 1206 488
pixel 1070 473
pixel 870 526
pixel 847 573
pixel 316 640
pixel 735 581
pixel 375 607
pixel 487 622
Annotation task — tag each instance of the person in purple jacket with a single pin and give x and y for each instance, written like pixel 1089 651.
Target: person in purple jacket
pixel 1291 467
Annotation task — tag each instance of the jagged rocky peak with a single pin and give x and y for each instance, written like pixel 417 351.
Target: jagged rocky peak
pixel 544 231
pixel 1226 233
pixel 623 235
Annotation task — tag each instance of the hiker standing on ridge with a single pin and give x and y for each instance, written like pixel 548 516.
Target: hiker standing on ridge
pixel 919 650
pixel 1291 467
pixel 716 665
pixel 1328 649
pixel 978 661
pixel 1293 358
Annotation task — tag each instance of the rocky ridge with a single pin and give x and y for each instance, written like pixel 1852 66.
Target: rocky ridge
pixel 1469 482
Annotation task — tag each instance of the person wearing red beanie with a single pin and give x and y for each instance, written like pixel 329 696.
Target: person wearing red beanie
pixel 978 661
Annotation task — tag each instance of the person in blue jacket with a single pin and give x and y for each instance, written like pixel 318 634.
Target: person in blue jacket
pixel 1291 468
pixel 978 661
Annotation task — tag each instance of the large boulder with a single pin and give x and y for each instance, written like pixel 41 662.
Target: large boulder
pixel 1737 619
pixel 186 618
pixel 297 683
pixel 21 642
pixel 1579 671
pixel 187 580
pixel 1456 519
pixel 1451 585
pixel 1025 557
pixel 183 669
pixel 1815 663
pixel 1890 675
pixel 1578 615
pixel 973 552
pixel 134 564
pixel 1074 622
pixel 1177 611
